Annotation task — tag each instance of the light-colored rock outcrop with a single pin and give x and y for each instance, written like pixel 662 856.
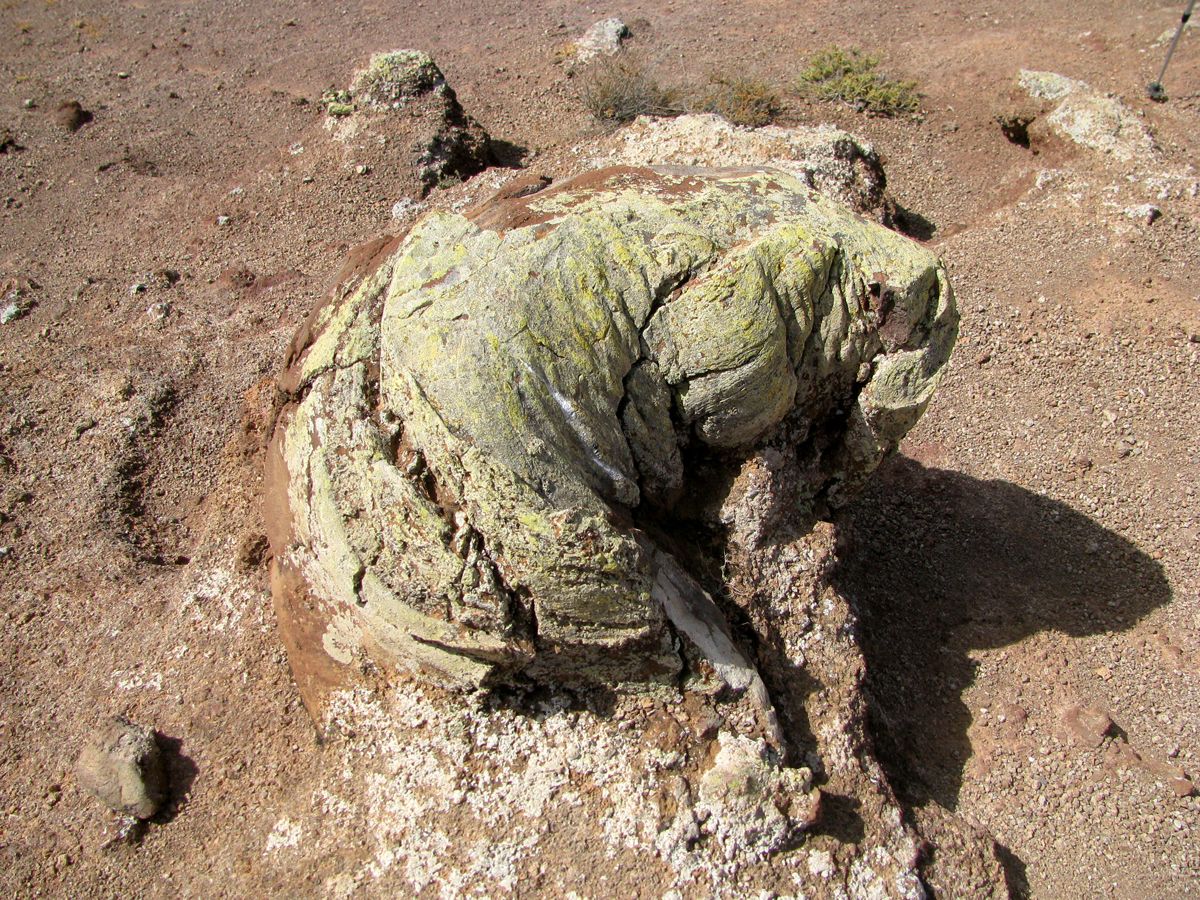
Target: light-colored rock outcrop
pixel 1087 117
pixel 489 428
pixel 838 164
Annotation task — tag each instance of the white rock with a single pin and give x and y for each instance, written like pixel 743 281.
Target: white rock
pixel 834 162
pixel 1097 121
pixel 602 39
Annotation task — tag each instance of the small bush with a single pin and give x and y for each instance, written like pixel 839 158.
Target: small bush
pixel 620 88
pixel 741 100
pixel 850 77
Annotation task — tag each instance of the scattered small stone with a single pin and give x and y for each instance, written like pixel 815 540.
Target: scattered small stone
pixel 72 116
pixel 235 278
pixel 8 143
pixel 122 75
pixel 252 550
pixel 166 277
pixel 1012 712
pixel 983 358
pixel 138 287
pixel 223 220
pixel 29 103
pixel 83 426
pixel 362 169
pixel 122 767
pixel 307 179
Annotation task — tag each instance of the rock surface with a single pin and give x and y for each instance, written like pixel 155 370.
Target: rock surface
pixel 836 163
pixel 491 428
pixel 659 794
pixel 1087 117
pixel 122 767
pixel 602 39
pixel 453 146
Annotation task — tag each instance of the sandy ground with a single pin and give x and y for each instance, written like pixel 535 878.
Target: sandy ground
pixel 1031 554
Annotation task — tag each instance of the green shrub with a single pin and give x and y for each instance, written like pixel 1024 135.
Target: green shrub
pixel 740 100
pixel 620 88
pixel 848 76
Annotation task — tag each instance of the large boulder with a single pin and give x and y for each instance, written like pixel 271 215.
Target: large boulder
pixel 498 428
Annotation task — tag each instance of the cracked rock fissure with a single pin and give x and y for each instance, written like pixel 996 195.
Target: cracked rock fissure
pixel 487 430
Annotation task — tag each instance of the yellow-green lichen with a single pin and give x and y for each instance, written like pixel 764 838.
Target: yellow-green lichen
pixel 471 454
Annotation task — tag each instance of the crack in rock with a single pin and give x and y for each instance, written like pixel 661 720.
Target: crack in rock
pixel 559 360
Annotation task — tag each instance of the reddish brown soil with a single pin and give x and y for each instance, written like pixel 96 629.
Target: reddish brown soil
pixel 1032 552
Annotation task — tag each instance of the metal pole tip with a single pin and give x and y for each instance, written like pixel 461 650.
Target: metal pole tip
pixel 1155 91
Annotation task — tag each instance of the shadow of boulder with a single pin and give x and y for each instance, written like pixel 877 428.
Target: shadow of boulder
pixel 181 771
pixel 938 564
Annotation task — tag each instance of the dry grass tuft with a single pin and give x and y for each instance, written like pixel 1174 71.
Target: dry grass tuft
pixel 620 88
pixel 741 100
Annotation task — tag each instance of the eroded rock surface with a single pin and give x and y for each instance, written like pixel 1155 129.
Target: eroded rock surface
pixel 451 145
pixel 838 164
pixel 661 793
pixel 493 430
pixel 1087 117
pixel 122 767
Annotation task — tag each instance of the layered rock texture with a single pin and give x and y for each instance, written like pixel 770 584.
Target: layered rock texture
pixel 567 455
pixel 503 433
